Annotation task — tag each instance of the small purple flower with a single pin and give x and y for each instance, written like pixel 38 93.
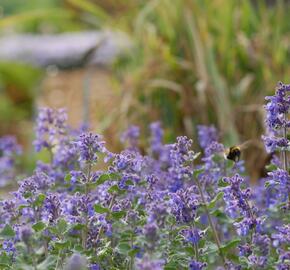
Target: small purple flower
pixel 263 243
pixel 245 250
pixel 282 235
pixel 237 201
pixel 28 188
pixel 25 234
pixel 194 265
pixel 284 260
pixel 277 106
pixel 277 109
pixel 131 135
pixel 50 128
pixel 9 149
pixel 279 180
pixel 9 146
pixel 151 180
pixel 258 261
pixel 192 236
pixel 184 205
pixel 151 233
pixel 214 148
pixel 9 247
pixel 206 135
pixel 156 138
pixel 52 205
pixel 76 262
pixel 181 162
pixel 235 197
pixel 150 264
pixel 89 145
pixel 275 143
pixel 95 266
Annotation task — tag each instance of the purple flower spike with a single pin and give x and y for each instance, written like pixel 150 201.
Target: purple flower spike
pixel 131 135
pixel 277 110
pixel 50 128
pixel 206 135
pixel 89 145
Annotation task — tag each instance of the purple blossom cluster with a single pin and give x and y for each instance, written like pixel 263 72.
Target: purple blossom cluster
pixel 237 204
pixel 50 128
pixel 277 122
pixel 85 207
pixel 9 150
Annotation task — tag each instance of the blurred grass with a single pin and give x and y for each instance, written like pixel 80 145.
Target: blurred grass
pixel 222 56
pixel 207 61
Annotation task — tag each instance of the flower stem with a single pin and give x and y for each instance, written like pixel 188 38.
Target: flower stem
pixel 132 256
pixel 85 229
pixel 216 237
pixel 102 229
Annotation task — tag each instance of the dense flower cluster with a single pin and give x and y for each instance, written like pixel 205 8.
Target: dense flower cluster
pixel 85 207
pixel 237 203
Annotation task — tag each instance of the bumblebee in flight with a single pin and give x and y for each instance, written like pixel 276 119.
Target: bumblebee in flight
pixel 234 152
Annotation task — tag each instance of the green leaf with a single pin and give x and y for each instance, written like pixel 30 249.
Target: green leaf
pixel 4 266
pixel 39 200
pixel 48 263
pixel 171 265
pixel 27 194
pixel 197 172
pixel 118 214
pixel 116 189
pixel 221 216
pixel 67 178
pixel 267 184
pixel 105 177
pixel 210 248
pixel 215 199
pixel 102 179
pixel 7 232
pixel 230 245
pixel 129 183
pixel 5 259
pixel 222 183
pixel 124 248
pixel 22 206
pixel 61 244
pixel 62 226
pixel 100 209
pixel 39 226
pixel 133 252
pixel 271 167
pixel 77 226
pixel 105 252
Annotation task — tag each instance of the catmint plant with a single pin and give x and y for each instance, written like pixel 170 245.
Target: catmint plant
pixel 165 207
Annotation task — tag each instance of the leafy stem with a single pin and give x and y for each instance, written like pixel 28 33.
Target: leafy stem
pixel 85 229
pixel 110 208
pixel 216 237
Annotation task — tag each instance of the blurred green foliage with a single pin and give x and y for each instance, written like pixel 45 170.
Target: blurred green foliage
pixel 17 92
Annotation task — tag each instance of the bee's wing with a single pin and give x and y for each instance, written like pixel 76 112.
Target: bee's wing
pixel 246 144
